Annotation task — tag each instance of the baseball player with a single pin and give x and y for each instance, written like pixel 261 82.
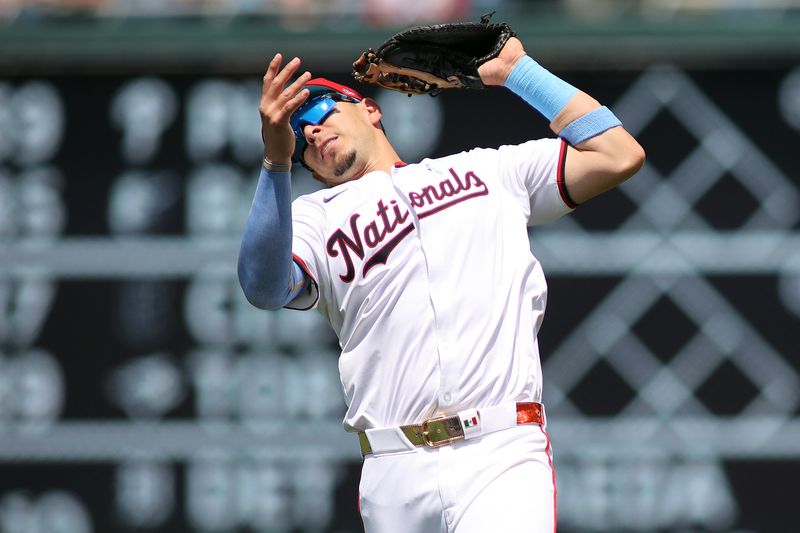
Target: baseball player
pixel 424 271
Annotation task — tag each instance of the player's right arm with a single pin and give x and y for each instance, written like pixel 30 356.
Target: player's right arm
pixel 267 273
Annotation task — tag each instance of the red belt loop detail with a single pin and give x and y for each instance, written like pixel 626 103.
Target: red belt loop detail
pixel 529 413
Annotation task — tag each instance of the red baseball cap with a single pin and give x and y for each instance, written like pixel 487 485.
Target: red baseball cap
pixel 320 86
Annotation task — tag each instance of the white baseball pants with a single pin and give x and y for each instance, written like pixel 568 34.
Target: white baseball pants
pixel 502 481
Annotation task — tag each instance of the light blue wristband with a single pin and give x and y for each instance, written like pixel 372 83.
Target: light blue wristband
pixel 589 125
pixel 542 89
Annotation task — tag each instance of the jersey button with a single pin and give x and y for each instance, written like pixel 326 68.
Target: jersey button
pixel 448 397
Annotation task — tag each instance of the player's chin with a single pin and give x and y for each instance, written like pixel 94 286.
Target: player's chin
pixel 345 164
pixel 336 170
pixel 342 169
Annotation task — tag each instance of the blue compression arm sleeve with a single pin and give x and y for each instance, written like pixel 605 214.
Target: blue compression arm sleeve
pixel 269 277
pixel 543 90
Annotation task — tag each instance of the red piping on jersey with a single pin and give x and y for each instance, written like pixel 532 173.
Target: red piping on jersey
pixel 360 518
pixel 562 186
pixel 302 265
pixel 547 450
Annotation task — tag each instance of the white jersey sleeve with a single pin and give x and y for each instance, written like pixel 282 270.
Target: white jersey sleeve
pixel 534 173
pixel 308 241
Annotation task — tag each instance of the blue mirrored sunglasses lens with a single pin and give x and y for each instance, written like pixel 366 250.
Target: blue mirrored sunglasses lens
pixel 312 113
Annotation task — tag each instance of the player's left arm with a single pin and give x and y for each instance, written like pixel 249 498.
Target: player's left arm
pixel 602 154
pixel 601 162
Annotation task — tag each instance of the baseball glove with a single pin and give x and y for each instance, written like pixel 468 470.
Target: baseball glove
pixel 429 59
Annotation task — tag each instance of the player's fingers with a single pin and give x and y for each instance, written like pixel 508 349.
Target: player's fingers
pixel 284 105
pixel 284 75
pixel 272 70
pixel 296 101
pixel 296 85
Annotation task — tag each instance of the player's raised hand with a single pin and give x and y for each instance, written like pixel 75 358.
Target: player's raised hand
pixel 495 71
pixel 278 102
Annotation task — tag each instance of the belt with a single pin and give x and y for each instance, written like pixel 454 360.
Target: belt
pixel 443 430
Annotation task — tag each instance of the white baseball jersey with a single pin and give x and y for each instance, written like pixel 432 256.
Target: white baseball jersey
pixel 427 278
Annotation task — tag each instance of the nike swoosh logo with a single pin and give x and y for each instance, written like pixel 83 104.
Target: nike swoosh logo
pixel 329 198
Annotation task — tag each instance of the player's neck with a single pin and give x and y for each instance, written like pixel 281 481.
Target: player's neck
pixel 383 159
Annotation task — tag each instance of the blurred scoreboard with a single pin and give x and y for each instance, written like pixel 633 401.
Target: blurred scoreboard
pixel 139 390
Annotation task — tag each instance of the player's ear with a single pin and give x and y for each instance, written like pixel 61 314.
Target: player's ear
pixel 374 111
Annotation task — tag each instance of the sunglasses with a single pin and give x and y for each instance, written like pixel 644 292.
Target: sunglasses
pixel 312 113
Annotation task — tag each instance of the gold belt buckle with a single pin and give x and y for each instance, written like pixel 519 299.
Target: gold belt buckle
pixel 426 432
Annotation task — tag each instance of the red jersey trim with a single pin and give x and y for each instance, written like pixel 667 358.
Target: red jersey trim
pixel 549 451
pixel 562 185
pixel 304 267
